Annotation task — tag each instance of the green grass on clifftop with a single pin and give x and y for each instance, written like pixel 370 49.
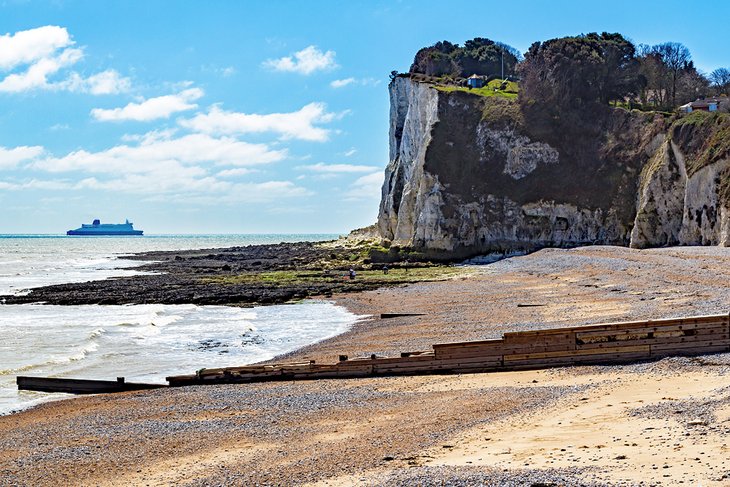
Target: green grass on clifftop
pixel 491 89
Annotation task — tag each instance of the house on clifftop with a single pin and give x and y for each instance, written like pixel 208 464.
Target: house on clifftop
pixel 705 104
pixel 475 81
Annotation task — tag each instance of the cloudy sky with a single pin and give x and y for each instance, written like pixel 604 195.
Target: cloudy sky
pixel 240 116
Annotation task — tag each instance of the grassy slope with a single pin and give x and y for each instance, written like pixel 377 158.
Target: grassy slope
pixel 491 89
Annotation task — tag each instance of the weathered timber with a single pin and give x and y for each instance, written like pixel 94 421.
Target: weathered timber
pixel 384 316
pixel 606 343
pixel 626 324
pixel 80 386
pixel 591 344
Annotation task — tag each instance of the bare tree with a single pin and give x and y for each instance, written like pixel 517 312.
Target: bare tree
pixel 676 57
pixel 720 79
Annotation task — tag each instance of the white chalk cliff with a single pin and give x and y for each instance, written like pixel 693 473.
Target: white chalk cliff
pixel 463 181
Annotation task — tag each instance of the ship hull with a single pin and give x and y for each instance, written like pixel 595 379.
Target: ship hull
pixel 104 233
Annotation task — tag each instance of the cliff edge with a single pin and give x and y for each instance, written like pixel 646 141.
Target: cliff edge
pixel 471 174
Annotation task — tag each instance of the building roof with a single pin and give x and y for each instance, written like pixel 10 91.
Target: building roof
pixel 705 102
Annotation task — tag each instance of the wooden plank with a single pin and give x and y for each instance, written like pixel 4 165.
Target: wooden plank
pixel 80 386
pixel 567 361
pixel 585 358
pixel 654 329
pixel 520 337
pixel 505 351
pixel 475 343
pixel 705 350
pixel 438 368
pixel 577 353
pixel 411 359
pixel 497 347
pixel 698 345
pixel 626 324
pixel 385 316
pixel 656 341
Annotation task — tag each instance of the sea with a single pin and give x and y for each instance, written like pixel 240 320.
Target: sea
pixel 143 343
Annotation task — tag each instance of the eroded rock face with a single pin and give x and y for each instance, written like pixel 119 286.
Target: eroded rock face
pixel 462 182
pixel 677 209
pixel 661 200
pixel 522 156
pixel 413 111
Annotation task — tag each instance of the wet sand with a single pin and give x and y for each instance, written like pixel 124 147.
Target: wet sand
pixel 653 423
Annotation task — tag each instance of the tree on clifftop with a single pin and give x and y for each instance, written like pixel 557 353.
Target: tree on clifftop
pixel 574 71
pixel 720 79
pixel 669 75
pixel 478 56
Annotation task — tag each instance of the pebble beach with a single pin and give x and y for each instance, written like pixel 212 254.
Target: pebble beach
pixel 655 423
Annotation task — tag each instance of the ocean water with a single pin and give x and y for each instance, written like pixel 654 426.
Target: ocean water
pixel 140 342
pixel 28 261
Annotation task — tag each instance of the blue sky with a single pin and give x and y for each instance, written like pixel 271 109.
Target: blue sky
pixel 244 116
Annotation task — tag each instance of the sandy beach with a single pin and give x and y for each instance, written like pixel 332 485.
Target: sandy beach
pixel 657 423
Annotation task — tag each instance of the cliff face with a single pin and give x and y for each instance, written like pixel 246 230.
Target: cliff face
pixel 683 198
pixel 471 175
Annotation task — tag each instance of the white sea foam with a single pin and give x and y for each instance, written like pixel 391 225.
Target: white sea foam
pixel 139 342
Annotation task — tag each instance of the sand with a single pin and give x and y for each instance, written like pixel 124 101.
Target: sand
pixel 658 423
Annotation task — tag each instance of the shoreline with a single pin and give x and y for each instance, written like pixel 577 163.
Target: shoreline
pixel 567 424
pixel 243 276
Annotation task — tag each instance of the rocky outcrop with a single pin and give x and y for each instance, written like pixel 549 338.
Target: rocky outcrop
pixel 473 175
pixel 682 201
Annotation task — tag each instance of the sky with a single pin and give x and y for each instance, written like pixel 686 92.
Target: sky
pixel 245 116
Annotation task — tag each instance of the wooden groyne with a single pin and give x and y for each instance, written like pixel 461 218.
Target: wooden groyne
pixel 608 343
pixel 80 386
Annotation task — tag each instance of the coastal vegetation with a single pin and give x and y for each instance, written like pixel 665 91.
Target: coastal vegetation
pixel 704 136
pixel 573 72
pixel 480 56
pixel 395 276
pixel 505 89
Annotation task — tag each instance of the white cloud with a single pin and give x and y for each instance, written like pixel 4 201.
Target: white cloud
pixel 33 57
pixel 157 165
pixel 338 168
pixel 151 109
pixel 9 158
pixel 232 173
pixel 340 83
pixel 189 188
pixel 367 187
pixel 159 150
pixel 47 184
pixel 29 46
pixel 306 61
pixel 108 82
pixel 350 152
pixel 293 125
pixel 36 76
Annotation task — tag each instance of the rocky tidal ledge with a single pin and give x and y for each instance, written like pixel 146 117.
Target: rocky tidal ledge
pixel 247 276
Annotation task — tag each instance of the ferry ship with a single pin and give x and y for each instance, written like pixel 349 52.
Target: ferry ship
pixel 98 228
